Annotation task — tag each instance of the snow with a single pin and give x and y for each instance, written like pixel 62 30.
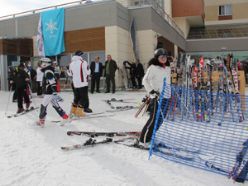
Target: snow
pixel 30 155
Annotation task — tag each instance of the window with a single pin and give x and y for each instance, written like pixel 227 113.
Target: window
pixel 161 3
pixel 225 10
pixel 136 3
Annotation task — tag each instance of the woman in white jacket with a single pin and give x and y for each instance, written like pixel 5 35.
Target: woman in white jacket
pixel 157 71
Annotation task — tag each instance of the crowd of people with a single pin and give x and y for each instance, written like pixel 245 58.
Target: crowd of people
pixel 46 78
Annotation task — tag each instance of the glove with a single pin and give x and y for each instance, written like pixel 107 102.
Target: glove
pixel 154 93
pixel 57 98
pixel 145 99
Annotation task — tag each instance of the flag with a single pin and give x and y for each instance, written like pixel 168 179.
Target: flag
pixel 39 38
pixel 52 26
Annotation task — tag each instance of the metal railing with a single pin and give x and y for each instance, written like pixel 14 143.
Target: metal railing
pixel 30 12
pixel 138 3
pixel 160 10
pixel 218 32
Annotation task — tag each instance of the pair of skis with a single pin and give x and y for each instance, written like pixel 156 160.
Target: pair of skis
pixel 129 139
pixel 144 106
pixel 93 142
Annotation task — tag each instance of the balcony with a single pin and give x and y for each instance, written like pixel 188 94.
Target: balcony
pixel 158 7
pixel 218 32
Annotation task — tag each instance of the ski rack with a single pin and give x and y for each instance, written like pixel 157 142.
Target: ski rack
pixel 214 123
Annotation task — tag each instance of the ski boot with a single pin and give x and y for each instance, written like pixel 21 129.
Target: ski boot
pixel 73 110
pixel 28 105
pixel 20 110
pixel 65 116
pixel 41 122
pixel 88 110
pixel 80 112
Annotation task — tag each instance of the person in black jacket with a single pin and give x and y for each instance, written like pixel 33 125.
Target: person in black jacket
pixel 132 72
pixel 50 92
pixel 21 80
pixel 96 73
pixel 12 86
pixel 139 73
pixel 109 72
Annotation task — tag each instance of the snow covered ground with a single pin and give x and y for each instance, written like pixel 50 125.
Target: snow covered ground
pixel 31 156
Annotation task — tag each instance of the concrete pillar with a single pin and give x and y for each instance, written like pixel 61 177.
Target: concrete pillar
pixel 175 51
pixel 168 7
pixel 4 72
pixel 146 44
pixel 118 45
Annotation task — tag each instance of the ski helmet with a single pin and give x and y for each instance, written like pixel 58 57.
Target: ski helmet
pixel 79 53
pixel 160 52
pixel 45 62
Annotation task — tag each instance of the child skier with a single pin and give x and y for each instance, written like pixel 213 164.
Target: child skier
pixel 50 92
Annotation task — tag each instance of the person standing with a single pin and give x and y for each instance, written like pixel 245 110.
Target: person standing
pixel 57 73
pixel 21 80
pixel 32 74
pixel 96 73
pixel 50 92
pixel 110 68
pixel 12 86
pixel 139 73
pixel 157 71
pixel 80 75
pixel 39 78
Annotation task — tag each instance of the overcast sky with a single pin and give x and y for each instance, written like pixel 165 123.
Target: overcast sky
pixel 8 7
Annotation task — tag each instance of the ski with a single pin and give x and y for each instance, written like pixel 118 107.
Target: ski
pixel 189 150
pixel 90 116
pixel 120 108
pixel 243 174
pixel 23 113
pixel 89 143
pixel 239 160
pixel 212 166
pixel 118 100
pixel 108 134
pixel 177 154
pixel 145 104
pixel 166 151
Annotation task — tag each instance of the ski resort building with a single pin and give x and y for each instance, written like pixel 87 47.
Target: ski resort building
pixel 131 30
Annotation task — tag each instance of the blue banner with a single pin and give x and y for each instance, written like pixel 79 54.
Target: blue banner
pixel 53 31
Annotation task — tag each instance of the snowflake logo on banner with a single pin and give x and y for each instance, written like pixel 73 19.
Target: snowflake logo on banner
pixel 51 26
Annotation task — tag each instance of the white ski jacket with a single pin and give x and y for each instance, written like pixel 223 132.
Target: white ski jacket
pixel 39 74
pixel 80 72
pixel 154 78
